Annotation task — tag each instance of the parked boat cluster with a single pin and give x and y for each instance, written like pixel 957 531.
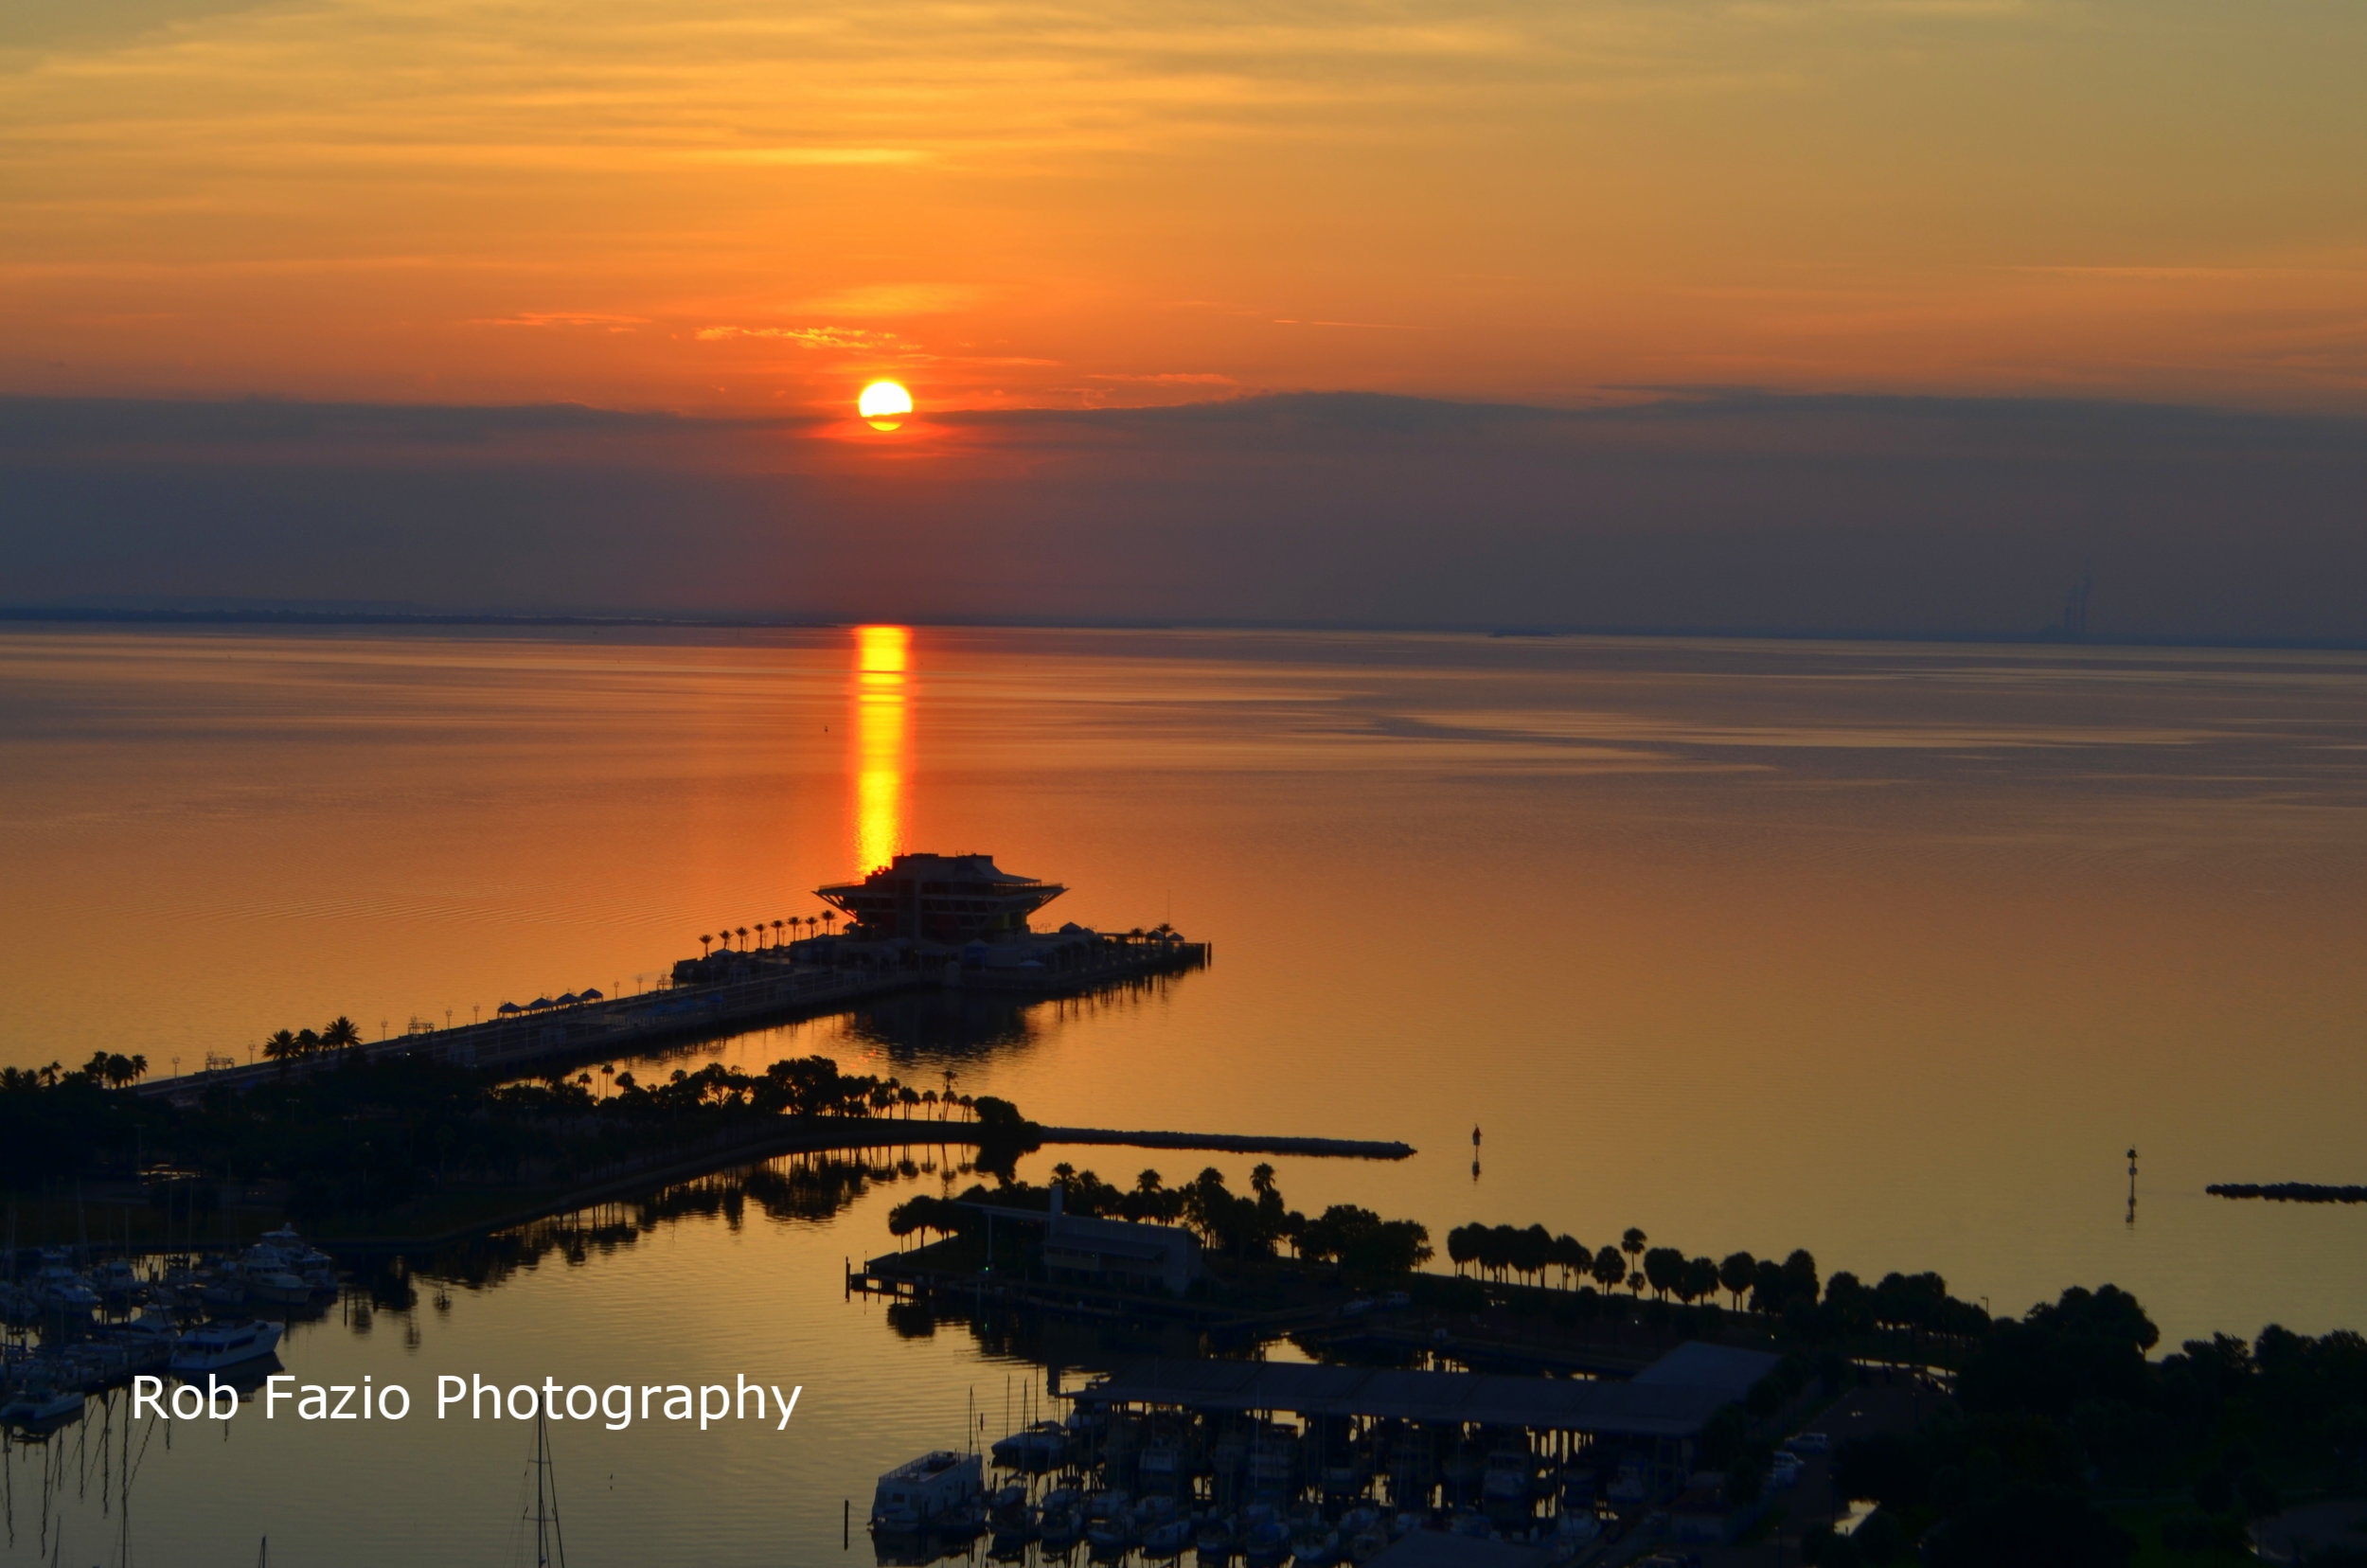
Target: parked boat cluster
pixel 1107 1486
pixel 79 1330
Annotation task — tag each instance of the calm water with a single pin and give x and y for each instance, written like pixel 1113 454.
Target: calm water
pixel 1886 951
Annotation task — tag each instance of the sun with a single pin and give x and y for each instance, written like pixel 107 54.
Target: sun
pixel 885 403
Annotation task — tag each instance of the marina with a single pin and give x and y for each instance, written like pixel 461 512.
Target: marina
pixel 1263 1461
pixel 76 1330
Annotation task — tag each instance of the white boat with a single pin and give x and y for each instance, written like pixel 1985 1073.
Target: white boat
pixel 1041 1447
pixel 939 1489
pixel 57 1289
pixel 300 1257
pixel 115 1279
pixel 280 1285
pixel 219 1346
pixel 38 1407
pixel 274 1268
pixel 222 1285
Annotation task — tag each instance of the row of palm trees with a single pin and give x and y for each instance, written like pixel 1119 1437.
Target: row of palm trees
pixel 340 1035
pixel 1499 1250
pixel 828 919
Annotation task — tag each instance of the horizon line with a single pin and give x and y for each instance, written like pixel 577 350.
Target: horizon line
pixel 787 620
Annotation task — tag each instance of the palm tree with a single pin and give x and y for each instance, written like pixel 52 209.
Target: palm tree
pixel 829 919
pixel 1738 1272
pixel 705 941
pixel 776 934
pixel 279 1046
pixel 743 935
pixel 1632 1244
pixel 340 1035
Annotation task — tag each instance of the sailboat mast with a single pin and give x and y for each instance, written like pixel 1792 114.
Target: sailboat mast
pixel 550 1548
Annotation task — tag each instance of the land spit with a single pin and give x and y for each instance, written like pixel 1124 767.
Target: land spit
pixel 788 1136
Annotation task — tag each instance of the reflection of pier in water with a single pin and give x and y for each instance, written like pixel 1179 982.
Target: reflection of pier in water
pixel 951 1027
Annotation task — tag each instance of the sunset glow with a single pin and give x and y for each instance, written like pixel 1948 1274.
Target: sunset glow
pixel 730 207
pixel 882 738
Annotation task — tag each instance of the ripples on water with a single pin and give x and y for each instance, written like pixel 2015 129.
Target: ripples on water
pixel 1887 952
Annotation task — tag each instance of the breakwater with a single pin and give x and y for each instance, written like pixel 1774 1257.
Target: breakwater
pixel 2289 1192
pixel 1232 1143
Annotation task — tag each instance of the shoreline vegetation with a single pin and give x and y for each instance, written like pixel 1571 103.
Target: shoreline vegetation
pixel 407 1149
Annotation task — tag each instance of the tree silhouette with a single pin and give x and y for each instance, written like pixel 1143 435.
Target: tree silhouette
pixel 1632 1244
pixel 340 1035
pixel 1610 1268
pixel 1737 1274
pixel 705 942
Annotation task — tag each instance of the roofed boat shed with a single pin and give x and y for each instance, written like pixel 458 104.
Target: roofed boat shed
pixel 1661 1411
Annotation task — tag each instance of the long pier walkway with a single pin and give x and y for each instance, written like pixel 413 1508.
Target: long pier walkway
pixel 630 1026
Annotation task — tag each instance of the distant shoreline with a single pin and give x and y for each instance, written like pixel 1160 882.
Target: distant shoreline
pixel 632 620
pixel 2289 1192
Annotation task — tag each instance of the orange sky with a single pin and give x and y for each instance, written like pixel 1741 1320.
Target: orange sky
pixel 723 204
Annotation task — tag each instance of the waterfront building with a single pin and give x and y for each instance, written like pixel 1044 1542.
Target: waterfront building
pixel 1114 1254
pixel 950 900
pixel 1119 1252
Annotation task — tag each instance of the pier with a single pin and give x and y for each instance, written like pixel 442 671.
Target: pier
pixel 926 922
pixel 748 991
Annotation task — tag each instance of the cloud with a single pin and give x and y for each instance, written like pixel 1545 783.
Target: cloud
pixel 810 156
pixel 543 319
pixel 807 337
pixel 895 299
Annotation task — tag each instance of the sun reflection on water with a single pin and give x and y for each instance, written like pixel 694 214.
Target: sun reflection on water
pixel 882 736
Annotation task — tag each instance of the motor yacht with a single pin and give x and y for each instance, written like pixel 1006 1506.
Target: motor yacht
pixel 937 1491
pixel 217 1346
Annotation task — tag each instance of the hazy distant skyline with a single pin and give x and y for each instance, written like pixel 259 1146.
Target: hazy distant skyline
pixel 1737 512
